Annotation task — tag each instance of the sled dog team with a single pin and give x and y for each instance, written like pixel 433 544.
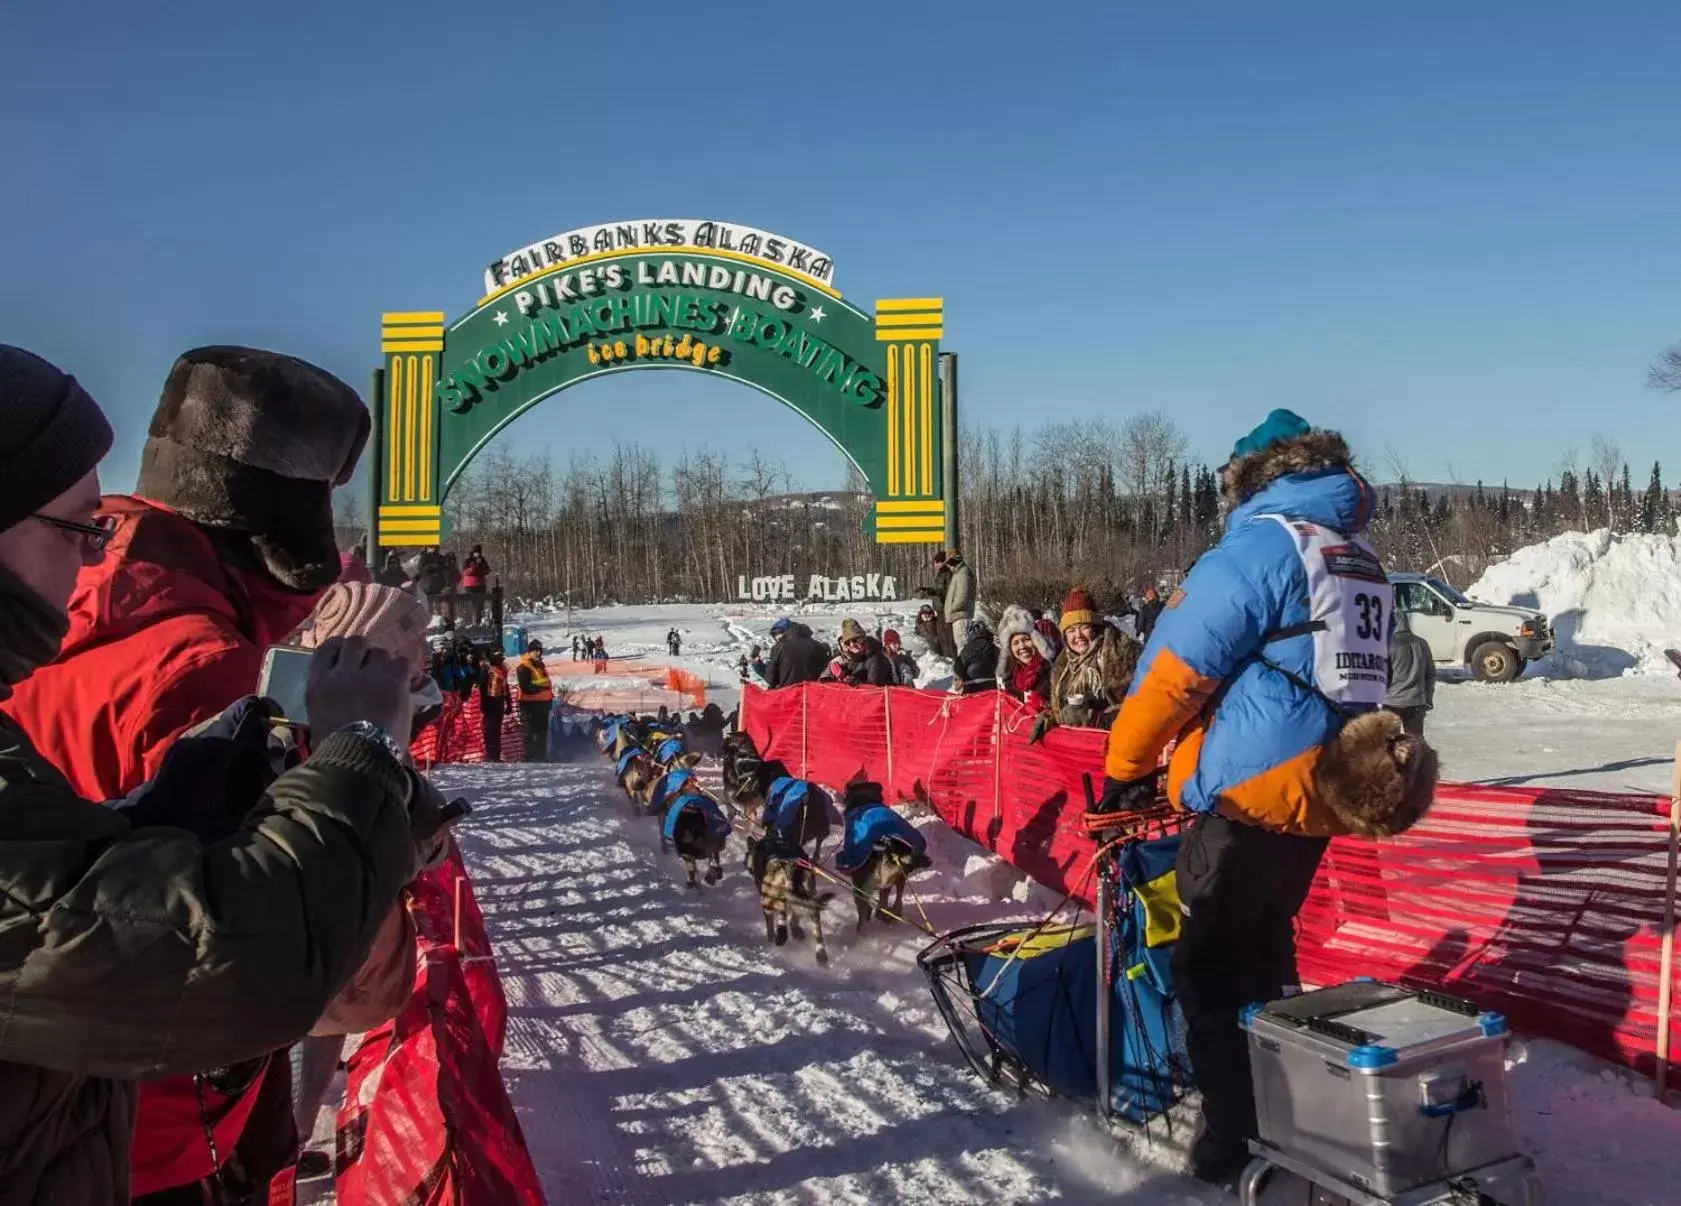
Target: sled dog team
pixel 785 820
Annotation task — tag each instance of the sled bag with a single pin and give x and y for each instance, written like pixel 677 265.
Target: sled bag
pixel 1040 1009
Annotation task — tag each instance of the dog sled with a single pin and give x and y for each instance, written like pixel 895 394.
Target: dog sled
pixel 1083 1011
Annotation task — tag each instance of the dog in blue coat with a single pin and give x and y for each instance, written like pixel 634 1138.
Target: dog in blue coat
pixel 740 761
pixel 697 829
pixel 662 791
pixel 793 817
pixel 636 770
pixel 879 851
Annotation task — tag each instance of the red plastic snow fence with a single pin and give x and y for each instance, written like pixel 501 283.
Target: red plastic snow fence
pixel 427 1120
pixel 1545 904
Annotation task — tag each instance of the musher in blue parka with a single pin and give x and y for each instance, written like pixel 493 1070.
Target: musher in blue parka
pixel 1269 665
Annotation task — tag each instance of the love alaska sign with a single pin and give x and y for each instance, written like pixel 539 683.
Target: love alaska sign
pixel 781 588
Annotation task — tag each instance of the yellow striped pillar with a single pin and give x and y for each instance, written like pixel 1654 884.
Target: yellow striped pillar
pixel 410 504
pixel 912 509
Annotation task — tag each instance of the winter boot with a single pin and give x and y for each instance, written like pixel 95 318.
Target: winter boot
pixel 1217 1161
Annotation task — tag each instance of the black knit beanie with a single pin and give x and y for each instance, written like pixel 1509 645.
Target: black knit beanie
pixel 51 434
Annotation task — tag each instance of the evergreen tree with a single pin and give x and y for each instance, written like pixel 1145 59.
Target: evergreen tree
pixel 1207 509
pixel 1593 499
pixel 1569 512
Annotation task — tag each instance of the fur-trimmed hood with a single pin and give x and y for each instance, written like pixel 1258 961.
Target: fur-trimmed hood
pixel 1309 477
pixel 1246 476
pixel 1018 619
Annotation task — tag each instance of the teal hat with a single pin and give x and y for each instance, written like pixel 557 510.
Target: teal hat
pixel 1277 427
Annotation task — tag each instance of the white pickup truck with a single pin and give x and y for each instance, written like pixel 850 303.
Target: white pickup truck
pixel 1495 643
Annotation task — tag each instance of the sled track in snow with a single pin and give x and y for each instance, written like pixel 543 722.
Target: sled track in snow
pixel 660 1052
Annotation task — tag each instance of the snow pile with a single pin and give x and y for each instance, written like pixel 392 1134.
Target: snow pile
pixel 1614 601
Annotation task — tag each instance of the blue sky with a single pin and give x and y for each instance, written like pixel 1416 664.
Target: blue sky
pixel 1449 229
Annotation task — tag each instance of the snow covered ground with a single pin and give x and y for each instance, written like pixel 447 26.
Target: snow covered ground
pixel 1605 735
pixel 660 1052
pixel 715 636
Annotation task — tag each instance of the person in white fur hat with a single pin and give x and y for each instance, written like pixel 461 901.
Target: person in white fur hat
pixel 1025 656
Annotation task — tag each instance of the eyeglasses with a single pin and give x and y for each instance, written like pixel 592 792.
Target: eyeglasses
pixel 97 534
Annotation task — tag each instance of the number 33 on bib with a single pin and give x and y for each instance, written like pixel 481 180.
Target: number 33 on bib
pixel 1349 600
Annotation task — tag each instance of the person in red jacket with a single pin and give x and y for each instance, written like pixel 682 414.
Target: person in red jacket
pixel 475 578
pixel 222 551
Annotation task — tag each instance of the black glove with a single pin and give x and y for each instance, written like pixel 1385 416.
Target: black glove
pixel 1121 796
pixel 1042 724
pixel 428 828
pixel 214 775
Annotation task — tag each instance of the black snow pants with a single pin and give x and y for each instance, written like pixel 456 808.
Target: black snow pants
pixel 1412 719
pixel 491 713
pixel 1240 888
pixel 534 720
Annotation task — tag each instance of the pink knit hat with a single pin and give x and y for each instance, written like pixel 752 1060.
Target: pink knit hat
pixel 390 619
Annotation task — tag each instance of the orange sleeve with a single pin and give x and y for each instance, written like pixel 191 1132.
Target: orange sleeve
pixel 1168 695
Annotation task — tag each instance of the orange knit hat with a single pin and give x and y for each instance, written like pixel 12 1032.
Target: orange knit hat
pixel 1077 608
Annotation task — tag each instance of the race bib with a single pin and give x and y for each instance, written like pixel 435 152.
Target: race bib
pixel 1349 598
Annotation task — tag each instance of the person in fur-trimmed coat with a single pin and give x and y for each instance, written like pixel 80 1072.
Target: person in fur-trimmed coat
pixel 1024 658
pixel 1094 671
pixel 1267 666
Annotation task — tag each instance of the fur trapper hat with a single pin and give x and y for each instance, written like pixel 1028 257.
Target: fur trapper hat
pixel 1310 450
pixel 252 443
pixel 1017 619
pixel 1376 779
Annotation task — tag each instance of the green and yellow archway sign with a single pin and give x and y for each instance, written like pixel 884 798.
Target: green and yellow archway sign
pixel 702 295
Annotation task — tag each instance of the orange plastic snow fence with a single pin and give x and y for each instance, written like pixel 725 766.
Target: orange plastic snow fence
pixel 687 684
pixel 1544 904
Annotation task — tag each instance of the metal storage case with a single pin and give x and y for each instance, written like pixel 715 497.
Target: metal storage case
pixel 1380 1086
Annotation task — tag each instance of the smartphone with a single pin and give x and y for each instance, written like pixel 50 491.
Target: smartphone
pixel 284 677
pixel 454 811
